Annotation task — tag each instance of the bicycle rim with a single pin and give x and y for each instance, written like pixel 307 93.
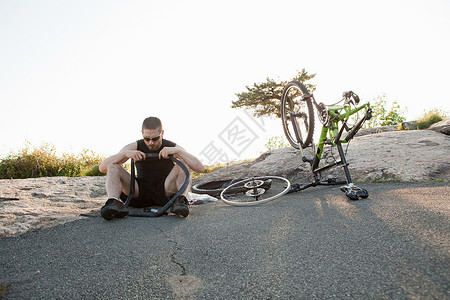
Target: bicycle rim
pixel 255 191
pixel 299 110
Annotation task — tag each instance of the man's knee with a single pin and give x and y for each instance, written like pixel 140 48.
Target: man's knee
pixel 175 179
pixel 180 173
pixel 114 170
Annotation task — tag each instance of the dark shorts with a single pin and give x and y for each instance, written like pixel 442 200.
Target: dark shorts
pixel 150 194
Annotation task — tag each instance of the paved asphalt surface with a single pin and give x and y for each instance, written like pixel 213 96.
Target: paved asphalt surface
pixel 313 244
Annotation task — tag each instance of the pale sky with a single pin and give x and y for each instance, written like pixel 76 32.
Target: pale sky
pixel 84 74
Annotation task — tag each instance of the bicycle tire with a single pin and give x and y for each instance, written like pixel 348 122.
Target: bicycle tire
pixel 293 101
pixel 278 187
pixel 213 188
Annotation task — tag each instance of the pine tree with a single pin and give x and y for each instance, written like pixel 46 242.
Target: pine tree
pixel 265 98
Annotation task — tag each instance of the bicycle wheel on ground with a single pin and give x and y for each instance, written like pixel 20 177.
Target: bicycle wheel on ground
pixel 255 191
pixel 213 188
pixel 297 112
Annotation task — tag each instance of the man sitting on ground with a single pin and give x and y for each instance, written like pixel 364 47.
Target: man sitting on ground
pixel 156 180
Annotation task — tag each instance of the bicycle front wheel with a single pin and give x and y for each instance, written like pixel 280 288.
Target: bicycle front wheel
pixel 255 191
pixel 297 114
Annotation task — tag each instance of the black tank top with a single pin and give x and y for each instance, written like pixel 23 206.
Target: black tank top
pixel 153 170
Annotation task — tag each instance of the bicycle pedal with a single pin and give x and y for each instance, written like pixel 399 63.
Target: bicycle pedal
pixel 363 194
pixel 354 193
pixel 352 196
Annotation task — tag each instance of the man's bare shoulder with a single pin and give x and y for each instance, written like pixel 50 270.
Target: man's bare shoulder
pixel 130 146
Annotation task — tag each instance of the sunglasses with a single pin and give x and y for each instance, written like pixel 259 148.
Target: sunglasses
pixel 154 139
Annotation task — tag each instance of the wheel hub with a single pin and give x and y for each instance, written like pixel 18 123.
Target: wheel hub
pixel 255 192
pixel 254 184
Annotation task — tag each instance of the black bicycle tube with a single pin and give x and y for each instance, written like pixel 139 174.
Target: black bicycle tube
pixel 132 187
pixel 180 191
pixel 162 210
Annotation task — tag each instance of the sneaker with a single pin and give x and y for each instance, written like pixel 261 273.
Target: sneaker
pixel 180 206
pixel 113 208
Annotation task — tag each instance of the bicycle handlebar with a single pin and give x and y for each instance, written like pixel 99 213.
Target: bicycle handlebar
pixel 156 155
pixel 350 97
pixel 152 155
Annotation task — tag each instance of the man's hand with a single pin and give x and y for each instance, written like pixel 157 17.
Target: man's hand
pixel 135 155
pixel 178 152
pixel 166 151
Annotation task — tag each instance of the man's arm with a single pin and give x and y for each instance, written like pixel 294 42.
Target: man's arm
pixel 127 152
pixel 178 152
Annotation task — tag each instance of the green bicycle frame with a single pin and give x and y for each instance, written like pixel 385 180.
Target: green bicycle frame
pixel 331 134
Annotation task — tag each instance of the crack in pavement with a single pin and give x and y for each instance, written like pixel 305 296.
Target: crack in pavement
pixel 174 253
pixel 183 285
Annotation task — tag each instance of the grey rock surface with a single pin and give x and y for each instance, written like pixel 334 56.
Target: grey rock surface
pixel 442 127
pixel 412 155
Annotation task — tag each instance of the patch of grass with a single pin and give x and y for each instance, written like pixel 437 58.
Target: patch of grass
pixel 430 117
pixel 208 169
pixel 32 162
pixel 385 179
pixel 436 180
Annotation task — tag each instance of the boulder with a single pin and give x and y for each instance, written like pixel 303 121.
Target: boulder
pixel 408 155
pixel 442 126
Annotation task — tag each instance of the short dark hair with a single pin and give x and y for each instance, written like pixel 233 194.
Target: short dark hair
pixel 152 123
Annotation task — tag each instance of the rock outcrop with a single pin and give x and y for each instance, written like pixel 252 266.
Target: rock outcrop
pixel 399 155
pixel 442 127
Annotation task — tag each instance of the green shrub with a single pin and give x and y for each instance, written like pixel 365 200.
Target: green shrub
pixel 92 171
pixel 382 115
pixel 430 117
pixel 276 142
pixel 90 162
pixel 44 162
